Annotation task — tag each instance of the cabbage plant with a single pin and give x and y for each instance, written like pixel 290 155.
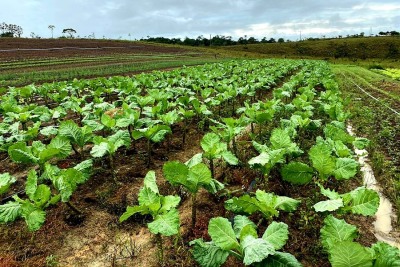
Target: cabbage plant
pixel 338 239
pixel 192 176
pixel 163 210
pixel 241 241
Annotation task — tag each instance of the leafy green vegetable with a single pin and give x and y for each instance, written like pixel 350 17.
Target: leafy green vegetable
pixel 34 216
pixel 166 224
pixel 359 201
pixel 328 205
pixel 345 168
pixel 10 211
pixel 363 201
pixel 241 222
pixel 337 237
pixel 323 162
pixel 214 148
pixel 255 249
pixel 78 136
pixel 6 180
pixel 161 208
pixel 228 130
pixel 266 203
pixel 222 234
pixel 192 178
pixel 348 253
pixel 276 234
pixel 241 241
pixel 386 255
pixel 153 134
pixel 279 259
pixel 108 121
pixel 337 133
pixel 335 231
pixel 109 146
pixel 281 146
pixel 361 143
pixel 297 173
pixel 39 153
pixel 32 209
pixel 207 254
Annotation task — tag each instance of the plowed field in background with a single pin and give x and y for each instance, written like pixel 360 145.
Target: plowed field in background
pixel 101 48
pixel 26 61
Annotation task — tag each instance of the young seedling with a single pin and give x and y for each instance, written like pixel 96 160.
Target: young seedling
pixel 6 180
pixel 215 148
pixel 187 115
pixel 281 146
pixel 268 204
pixel 39 153
pixel 109 146
pixel 40 196
pixel 228 130
pixel 161 208
pixel 361 201
pixel 193 175
pixel 78 136
pixel 129 119
pixel 153 134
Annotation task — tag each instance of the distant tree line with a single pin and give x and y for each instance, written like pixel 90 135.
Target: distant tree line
pixel 13 30
pixel 357 35
pixel 391 33
pixel 220 40
pixel 10 30
pixel 217 40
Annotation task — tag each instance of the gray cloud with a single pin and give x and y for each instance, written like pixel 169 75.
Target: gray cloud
pixel 180 18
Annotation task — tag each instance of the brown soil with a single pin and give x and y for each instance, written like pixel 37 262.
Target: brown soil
pixel 70 65
pixel 101 48
pixel 100 240
pixel 393 87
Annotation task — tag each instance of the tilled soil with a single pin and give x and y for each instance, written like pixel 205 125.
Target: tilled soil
pixel 97 48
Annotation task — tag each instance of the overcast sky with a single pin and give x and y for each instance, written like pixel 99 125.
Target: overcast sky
pixel 180 18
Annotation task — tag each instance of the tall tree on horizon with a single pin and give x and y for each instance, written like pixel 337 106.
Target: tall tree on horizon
pixel 70 32
pixel 51 27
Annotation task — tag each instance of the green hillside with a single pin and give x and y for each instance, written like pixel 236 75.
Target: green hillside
pixel 352 48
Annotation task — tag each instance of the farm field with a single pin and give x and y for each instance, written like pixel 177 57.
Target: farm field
pixel 375 105
pixel 26 61
pixel 235 163
pixel 228 163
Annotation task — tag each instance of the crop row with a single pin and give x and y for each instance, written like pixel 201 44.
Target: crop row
pixel 106 68
pixel 393 73
pixel 51 62
pixel 297 134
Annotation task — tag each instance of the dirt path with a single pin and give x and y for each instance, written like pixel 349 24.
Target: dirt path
pixel 385 217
